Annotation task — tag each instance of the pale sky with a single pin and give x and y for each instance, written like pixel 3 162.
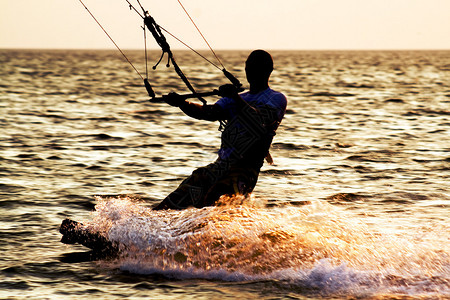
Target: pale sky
pixel 231 24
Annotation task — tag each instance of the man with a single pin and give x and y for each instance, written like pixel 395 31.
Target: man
pixel 249 121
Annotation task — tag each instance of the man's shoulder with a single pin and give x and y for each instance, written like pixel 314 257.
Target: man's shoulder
pixel 267 97
pixel 224 101
pixel 274 92
pixel 264 95
pixel 275 98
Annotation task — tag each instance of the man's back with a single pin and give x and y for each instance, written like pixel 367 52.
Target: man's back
pixel 248 133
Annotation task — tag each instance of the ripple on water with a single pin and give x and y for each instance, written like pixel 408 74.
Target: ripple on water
pixel 370 139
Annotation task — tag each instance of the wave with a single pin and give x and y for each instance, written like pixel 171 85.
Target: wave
pixel 318 247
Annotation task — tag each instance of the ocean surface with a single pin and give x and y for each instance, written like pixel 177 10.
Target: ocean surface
pixel 356 205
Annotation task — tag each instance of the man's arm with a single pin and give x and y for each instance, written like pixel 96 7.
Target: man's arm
pixel 194 110
pixel 208 112
pixel 202 112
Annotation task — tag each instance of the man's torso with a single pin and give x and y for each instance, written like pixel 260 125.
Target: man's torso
pixel 248 134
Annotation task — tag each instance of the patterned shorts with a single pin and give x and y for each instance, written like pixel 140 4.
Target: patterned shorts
pixel 207 184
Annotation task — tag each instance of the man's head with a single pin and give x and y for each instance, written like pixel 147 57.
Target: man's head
pixel 258 67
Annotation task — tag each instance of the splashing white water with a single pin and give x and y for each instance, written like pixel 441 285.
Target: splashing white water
pixel 316 246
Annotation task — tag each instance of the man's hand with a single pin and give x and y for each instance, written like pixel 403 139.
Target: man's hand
pixel 174 99
pixel 228 90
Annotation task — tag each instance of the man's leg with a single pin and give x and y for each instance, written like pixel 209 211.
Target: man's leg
pixel 192 190
pixel 238 181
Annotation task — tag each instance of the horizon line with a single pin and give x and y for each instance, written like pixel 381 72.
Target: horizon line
pixel 208 50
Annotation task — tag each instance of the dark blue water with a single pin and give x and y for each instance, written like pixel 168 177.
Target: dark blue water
pixel 356 205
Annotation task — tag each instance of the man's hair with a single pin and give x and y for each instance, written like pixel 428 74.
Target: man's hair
pixel 261 60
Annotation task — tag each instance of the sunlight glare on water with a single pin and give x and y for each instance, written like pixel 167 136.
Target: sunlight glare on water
pixel 356 203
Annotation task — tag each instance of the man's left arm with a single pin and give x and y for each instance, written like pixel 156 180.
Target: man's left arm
pixel 195 110
pixel 203 112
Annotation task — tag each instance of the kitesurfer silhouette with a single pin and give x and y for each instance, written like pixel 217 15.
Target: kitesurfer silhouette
pixel 248 122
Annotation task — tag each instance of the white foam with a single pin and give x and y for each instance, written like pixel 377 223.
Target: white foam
pixel 317 246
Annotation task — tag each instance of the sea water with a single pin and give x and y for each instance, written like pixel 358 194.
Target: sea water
pixel 355 205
